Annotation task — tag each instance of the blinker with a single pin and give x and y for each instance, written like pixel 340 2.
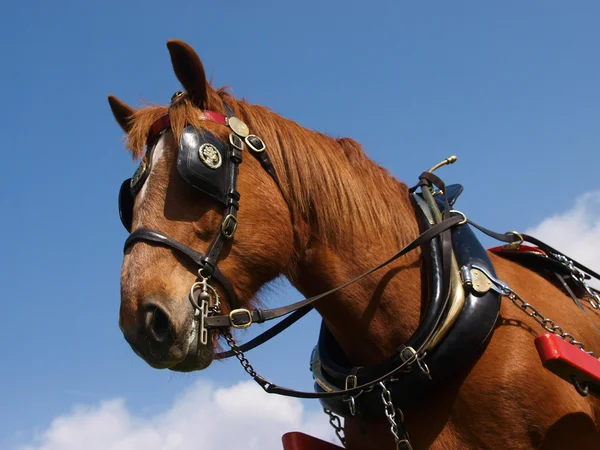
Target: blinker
pixel 203 161
pixel 126 204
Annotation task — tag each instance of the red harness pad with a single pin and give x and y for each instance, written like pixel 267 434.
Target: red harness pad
pixel 300 441
pixel 566 361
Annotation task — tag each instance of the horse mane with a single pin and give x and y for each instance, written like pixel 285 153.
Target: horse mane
pixel 328 182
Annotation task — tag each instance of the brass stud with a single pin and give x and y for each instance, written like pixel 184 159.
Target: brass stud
pixel 238 127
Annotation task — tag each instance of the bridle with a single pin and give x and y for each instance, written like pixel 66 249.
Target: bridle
pixel 220 172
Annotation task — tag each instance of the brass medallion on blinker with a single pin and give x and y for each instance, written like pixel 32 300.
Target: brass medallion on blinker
pixel 210 156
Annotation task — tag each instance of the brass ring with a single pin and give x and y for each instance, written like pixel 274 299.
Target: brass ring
pixel 519 235
pixel 462 222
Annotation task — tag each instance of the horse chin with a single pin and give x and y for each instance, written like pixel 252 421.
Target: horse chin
pixel 198 357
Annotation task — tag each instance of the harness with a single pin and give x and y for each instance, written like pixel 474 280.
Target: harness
pixel 457 322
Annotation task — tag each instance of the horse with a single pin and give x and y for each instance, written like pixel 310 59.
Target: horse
pixel 208 231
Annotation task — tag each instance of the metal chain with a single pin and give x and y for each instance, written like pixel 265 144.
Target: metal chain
pixel 336 424
pixel 579 276
pixel 240 355
pixel 390 413
pixel 547 323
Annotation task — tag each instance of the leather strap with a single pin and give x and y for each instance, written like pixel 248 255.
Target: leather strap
pixel 146 234
pixel 270 333
pixel 165 122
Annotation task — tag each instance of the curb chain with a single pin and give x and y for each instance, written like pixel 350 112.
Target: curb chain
pixel 240 355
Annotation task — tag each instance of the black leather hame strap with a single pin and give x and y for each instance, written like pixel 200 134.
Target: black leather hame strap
pixel 428 179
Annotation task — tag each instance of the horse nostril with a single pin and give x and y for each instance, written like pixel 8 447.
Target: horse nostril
pixel 158 325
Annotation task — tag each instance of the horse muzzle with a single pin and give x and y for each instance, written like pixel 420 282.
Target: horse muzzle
pixel 167 337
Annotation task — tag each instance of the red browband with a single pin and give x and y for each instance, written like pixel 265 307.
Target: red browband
pixel 165 122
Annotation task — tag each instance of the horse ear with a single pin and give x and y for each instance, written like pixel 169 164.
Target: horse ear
pixel 122 112
pixel 189 71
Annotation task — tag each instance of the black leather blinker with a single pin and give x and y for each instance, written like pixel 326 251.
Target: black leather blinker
pixel 126 200
pixel 129 189
pixel 204 163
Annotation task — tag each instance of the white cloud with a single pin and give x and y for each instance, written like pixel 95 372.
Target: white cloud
pixel 575 232
pixel 204 417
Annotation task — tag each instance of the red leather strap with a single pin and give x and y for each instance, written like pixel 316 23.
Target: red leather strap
pixel 300 441
pixel 165 122
pixel 520 249
pixel 214 117
pixel 158 126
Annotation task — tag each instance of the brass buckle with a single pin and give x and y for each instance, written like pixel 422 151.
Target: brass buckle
pixel 351 382
pixel 225 225
pixel 236 141
pixel 238 311
pixel 253 146
pixel 464 220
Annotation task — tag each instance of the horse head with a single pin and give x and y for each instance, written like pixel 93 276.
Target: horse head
pixel 188 189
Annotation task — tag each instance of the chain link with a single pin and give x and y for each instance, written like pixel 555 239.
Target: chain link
pixel 390 412
pixel 579 276
pixel 334 420
pixel 240 355
pixel 336 424
pixel 547 323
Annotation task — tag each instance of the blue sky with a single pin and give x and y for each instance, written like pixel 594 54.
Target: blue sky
pixel 510 88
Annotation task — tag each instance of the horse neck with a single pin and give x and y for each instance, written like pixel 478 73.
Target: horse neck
pixel 372 317
pixel 352 223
